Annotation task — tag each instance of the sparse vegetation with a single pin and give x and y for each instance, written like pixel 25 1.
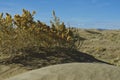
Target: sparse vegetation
pixel 103 45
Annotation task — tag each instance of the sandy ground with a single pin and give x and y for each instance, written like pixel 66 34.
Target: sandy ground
pixel 7 71
pixel 72 71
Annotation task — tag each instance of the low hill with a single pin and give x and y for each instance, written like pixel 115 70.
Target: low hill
pixel 103 45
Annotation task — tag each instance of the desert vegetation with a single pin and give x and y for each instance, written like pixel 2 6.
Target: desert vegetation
pixel 27 44
pixel 22 37
pixel 22 33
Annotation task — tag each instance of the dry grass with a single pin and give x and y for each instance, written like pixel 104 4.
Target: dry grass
pixel 103 44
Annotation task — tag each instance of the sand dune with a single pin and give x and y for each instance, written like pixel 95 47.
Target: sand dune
pixel 72 71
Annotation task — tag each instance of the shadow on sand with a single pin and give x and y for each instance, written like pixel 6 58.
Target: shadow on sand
pixel 46 57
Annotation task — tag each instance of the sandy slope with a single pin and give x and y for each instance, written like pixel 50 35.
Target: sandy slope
pixel 102 44
pixel 72 71
pixel 7 71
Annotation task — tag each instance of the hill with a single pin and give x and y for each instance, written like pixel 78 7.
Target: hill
pixel 103 45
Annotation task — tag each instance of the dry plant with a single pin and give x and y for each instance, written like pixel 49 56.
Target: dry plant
pixel 23 32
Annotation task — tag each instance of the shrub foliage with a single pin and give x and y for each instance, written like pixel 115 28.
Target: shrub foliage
pixel 22 31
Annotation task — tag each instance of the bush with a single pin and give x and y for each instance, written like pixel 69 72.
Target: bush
pixel 22 31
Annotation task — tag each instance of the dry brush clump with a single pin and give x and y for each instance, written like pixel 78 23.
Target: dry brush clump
pixel 23 32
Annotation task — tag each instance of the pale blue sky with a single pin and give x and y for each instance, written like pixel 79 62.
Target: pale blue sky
pixel 77 13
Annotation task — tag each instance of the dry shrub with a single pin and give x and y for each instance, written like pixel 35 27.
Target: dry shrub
pixel 23 32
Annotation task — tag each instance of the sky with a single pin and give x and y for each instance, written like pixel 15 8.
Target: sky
pixel 102 14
